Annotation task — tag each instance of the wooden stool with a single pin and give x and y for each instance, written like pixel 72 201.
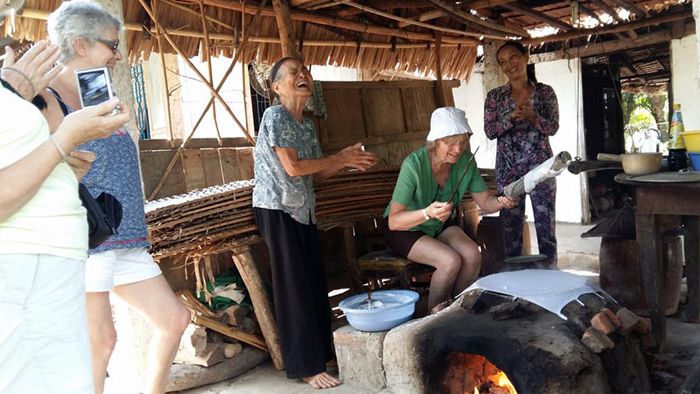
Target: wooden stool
pixel 385 264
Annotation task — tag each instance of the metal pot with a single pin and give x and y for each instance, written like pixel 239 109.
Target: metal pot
pixel 636 163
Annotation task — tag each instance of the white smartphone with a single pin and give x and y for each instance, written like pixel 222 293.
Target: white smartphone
pixel 94 85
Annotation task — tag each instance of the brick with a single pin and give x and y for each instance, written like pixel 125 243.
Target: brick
pixel 596 341
pixel 602 323
pixel 643 326
pixel 628 320
pixel 613 318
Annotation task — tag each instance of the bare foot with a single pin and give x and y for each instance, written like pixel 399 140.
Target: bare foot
pixel 439 307
pixel 322 381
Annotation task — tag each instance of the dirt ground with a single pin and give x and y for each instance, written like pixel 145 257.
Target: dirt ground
pixel 669 369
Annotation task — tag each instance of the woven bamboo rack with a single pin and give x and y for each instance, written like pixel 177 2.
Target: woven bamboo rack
pixel 220 218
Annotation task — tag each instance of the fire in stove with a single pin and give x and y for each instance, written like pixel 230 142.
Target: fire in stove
pixel 474 374
pixel 496 384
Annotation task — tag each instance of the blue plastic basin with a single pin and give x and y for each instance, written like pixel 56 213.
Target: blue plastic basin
pixel 390 308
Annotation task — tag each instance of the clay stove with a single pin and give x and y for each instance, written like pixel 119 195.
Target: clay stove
pixel 483 334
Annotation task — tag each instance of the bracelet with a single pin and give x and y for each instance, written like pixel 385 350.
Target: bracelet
pixel 26 78
pixel 58 147
pixel 425 214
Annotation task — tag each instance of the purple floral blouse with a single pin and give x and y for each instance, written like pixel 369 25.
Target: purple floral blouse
pixel 522 145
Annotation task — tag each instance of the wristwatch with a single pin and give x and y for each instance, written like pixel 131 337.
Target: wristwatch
pixel 425 214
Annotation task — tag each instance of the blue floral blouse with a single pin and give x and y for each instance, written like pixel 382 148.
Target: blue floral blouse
pixel 274 188
pixel 522 145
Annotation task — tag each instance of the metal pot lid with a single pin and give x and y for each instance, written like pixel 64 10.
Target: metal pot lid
pixel 550 289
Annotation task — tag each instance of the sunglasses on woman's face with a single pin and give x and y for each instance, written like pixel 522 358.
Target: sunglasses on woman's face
pixel 113 45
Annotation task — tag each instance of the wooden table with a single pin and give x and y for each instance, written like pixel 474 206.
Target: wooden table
pixel 655 198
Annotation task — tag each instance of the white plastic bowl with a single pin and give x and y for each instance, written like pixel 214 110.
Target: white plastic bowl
pixel 391 308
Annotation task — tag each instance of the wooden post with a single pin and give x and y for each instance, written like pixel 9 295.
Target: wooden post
pixel 261 303
pixel 207 58
pixel 439 91
pixel 286 30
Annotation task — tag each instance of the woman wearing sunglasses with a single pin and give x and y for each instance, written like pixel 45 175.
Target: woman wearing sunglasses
pixel 87 36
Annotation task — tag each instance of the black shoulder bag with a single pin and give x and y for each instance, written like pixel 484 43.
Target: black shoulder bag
pixel 104 213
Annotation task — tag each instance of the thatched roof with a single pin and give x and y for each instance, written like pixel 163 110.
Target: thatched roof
pixel 399 35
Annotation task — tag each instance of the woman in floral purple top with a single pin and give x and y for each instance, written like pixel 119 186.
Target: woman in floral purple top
pixel 522 114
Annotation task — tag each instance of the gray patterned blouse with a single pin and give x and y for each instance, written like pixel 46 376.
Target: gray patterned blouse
pixel 274 188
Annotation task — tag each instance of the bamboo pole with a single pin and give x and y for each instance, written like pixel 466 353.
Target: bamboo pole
pixel 195 13
pixel 602 48
pixel 285 28
pixel 216 94
pixel 472 20
pixel 609 10
pixel 447 41
pixel 207 57
pixel 170 166
pixel 164 73
pixel 638 24
pixel 553 22
pixel 311 17
pixel 439 91
pixel 419 23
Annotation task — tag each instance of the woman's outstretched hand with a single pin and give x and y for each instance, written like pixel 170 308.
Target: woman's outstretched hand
pixel 506 202
pixel 355 157
pixel 32 72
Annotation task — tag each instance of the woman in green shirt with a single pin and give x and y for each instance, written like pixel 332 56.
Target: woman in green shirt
pixel 418 222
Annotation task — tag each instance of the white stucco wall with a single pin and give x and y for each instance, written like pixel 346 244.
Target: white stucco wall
pixel 565 78
pixel 469 97
pixel 685 80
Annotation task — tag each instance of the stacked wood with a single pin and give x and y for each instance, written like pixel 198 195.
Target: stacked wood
pixel 220 217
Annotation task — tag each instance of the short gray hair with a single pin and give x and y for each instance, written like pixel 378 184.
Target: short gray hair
pixel 78 19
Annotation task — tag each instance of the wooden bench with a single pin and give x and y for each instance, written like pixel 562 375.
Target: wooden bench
pixel 384 264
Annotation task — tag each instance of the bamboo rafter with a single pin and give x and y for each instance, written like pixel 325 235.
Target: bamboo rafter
pixel 538 15
pixel 638 24
pixel 421 24
pixel 303 16
pixel 475 21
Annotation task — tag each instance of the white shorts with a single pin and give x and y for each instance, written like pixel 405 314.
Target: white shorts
pixel 117 267
pixel 44 343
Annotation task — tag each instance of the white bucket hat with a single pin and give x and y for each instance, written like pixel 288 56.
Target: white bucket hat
pixel 448 121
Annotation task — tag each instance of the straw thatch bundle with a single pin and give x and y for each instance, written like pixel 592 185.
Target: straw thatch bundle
pixel 323 45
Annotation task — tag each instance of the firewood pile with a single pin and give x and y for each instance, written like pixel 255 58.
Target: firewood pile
pixel 220 217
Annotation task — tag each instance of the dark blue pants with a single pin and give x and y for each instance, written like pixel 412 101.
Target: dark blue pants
pixel 300 292
pixel 543 200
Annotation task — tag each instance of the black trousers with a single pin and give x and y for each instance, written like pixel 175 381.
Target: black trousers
pixel 300 292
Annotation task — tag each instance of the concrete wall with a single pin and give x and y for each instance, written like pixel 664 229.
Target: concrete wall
pixel 686 81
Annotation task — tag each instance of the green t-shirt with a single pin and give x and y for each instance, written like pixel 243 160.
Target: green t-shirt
pixel 416 187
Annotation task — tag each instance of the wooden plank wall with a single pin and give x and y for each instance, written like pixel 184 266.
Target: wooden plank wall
pixel 390 118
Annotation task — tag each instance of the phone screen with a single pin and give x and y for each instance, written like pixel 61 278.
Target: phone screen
pixel 94 86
